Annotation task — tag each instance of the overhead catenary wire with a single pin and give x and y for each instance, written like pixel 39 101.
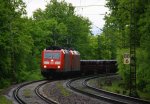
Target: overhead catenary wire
pixel 83 6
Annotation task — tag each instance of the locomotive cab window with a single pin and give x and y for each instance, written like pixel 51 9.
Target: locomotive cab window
pixel 50 55
pixel 56 55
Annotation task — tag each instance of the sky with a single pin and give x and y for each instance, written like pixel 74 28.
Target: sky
pixel 92 9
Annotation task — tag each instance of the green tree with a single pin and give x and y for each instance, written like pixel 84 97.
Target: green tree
pixel 13 42
pixel 66 30
pixel 118 25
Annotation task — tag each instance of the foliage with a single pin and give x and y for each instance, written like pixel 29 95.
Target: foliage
pixel 5 82
pixel 118 25
pixel 143 70
pixel 124 70
pixel 16 42
pixel 4 100
pixel 22 39
pixel 106 46
pixel 63 25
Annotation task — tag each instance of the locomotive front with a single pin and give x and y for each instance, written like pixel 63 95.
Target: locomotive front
pixel 52 61
pixel 59 62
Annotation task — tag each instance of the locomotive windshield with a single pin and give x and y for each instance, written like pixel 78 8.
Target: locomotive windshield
pixel 56 55
pixel 52 55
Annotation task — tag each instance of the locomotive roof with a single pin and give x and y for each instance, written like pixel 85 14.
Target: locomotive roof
pixel 53 48
pixel 58 48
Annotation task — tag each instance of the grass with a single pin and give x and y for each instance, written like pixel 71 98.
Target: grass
pixel 3 99
pixel 27 93
pixel 117 87
pixel 63 91
pixel 145 96
pixel 28 76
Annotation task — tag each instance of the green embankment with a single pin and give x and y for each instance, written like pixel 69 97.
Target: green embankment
pixel 117 86
pixel 3 99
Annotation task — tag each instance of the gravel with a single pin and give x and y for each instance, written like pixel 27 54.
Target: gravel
pixel 58 92
pixel 26 93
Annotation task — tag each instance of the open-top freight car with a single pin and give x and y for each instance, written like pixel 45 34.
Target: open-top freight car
pixel 98 66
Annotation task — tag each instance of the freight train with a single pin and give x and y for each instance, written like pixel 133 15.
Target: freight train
pixel 57 61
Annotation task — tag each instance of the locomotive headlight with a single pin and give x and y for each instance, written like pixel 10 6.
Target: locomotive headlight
pixel 58 67
pixel 57 62
pixel 45 66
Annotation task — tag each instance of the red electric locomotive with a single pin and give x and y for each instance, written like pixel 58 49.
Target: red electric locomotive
pixel 59 61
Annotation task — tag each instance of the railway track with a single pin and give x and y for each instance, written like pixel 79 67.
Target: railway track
pixel 48 100
pixel 20 100
pixel 101 94
pixel 17 98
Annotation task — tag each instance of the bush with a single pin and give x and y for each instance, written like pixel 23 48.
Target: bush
pixel 147 88
pixel 142 71
pixel 4 83
pixel 29 75
pixel 124 70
